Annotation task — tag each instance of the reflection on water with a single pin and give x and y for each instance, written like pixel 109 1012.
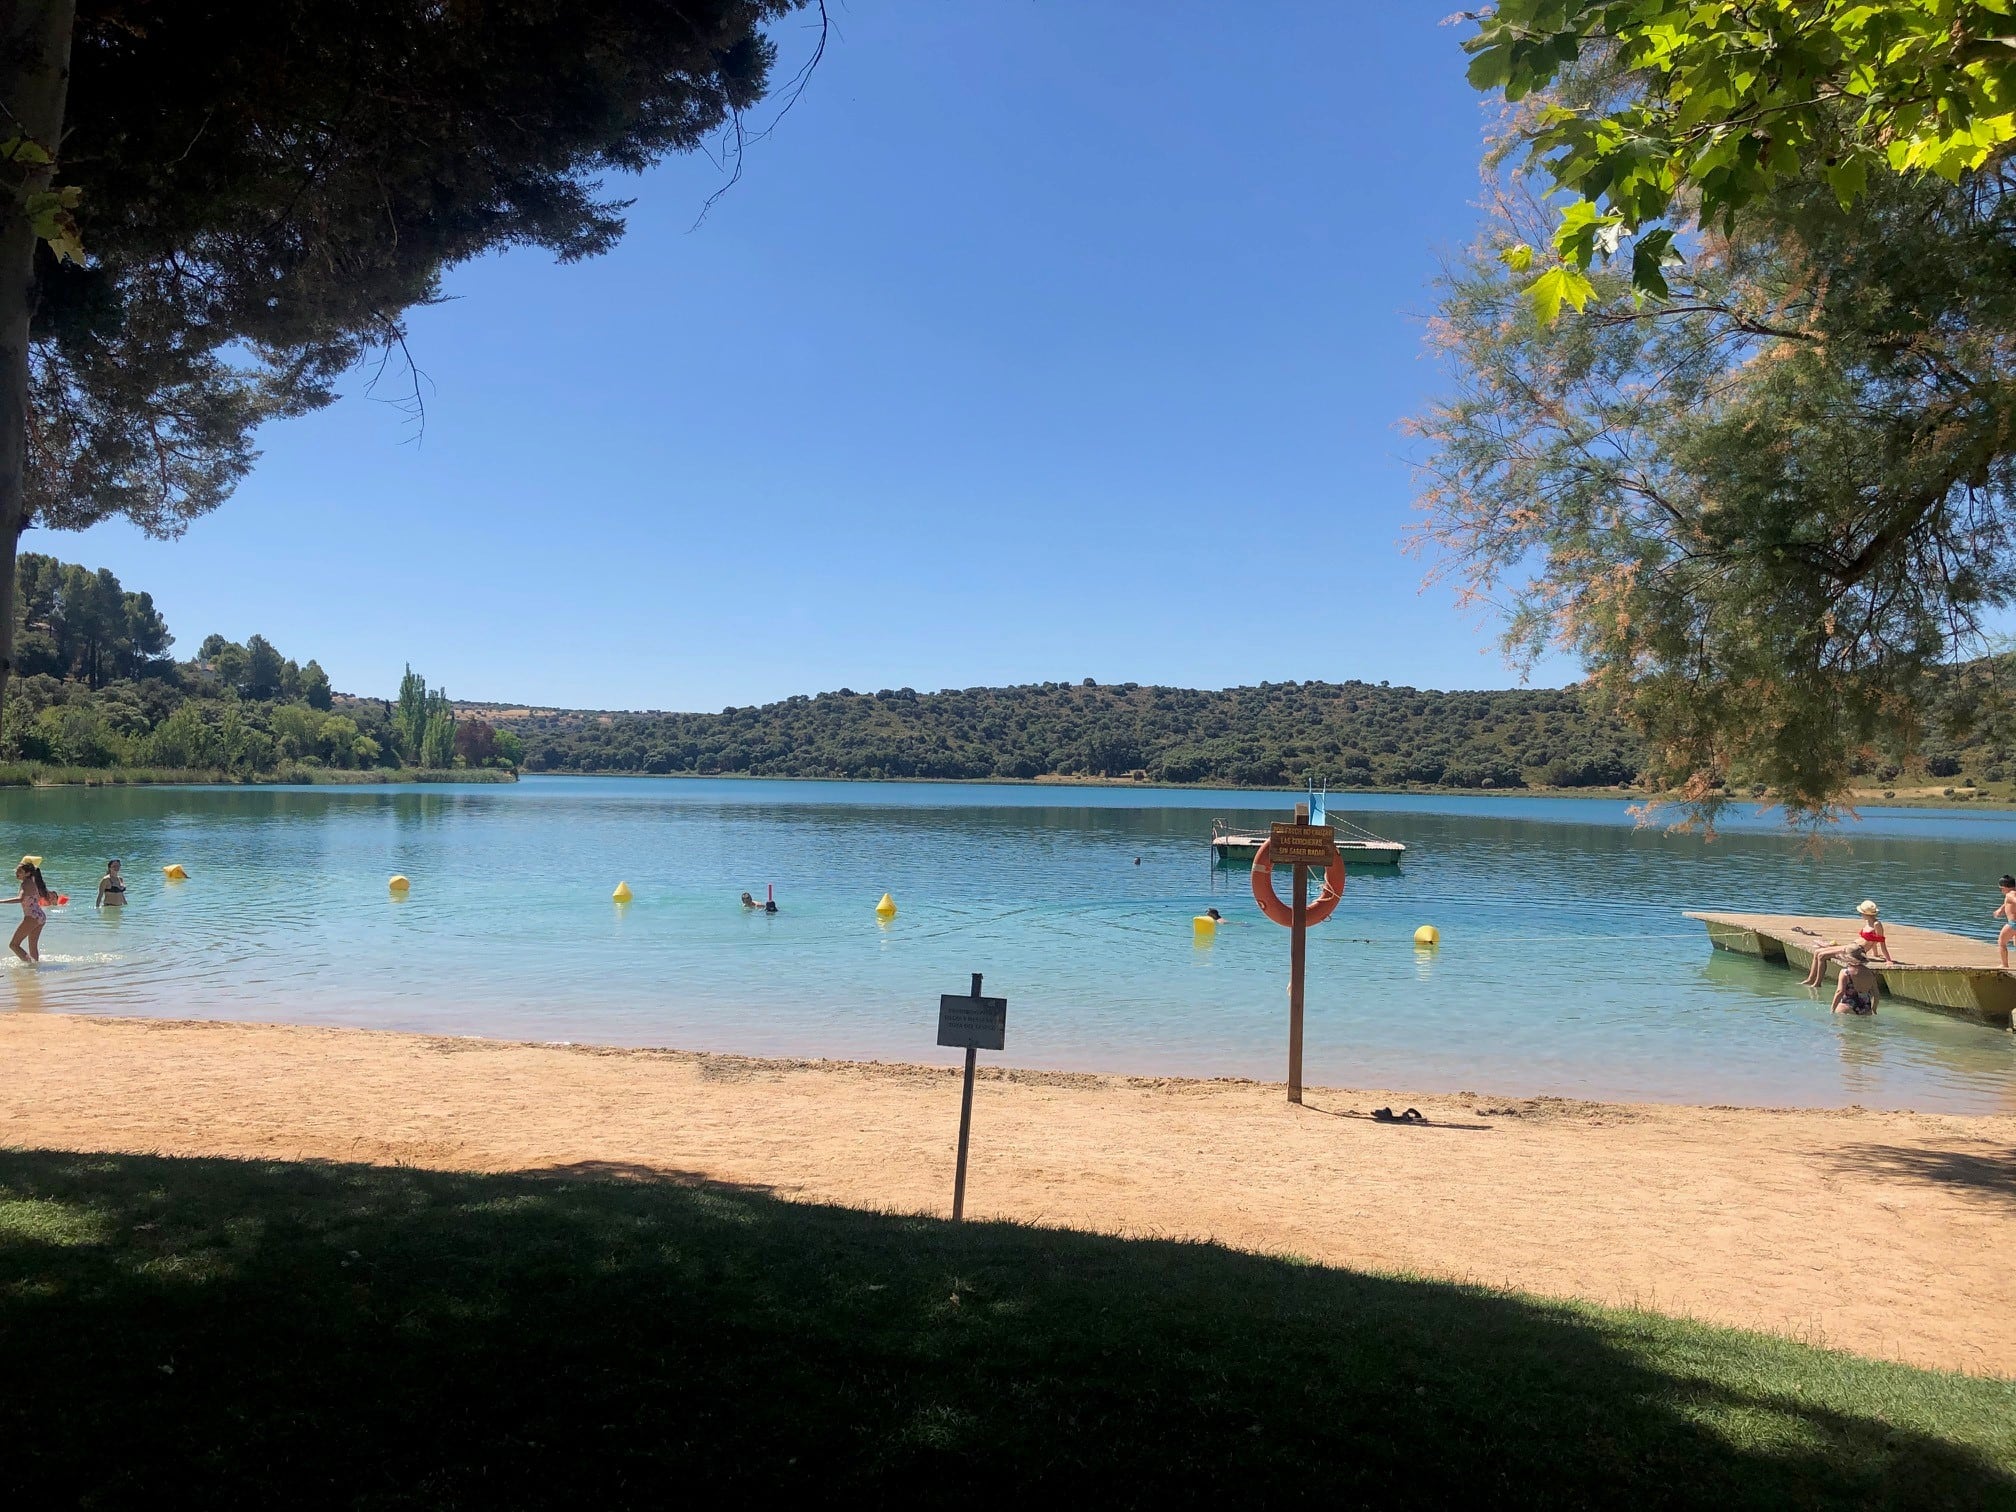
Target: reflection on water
pixel 1861 1057
pixel 1565 966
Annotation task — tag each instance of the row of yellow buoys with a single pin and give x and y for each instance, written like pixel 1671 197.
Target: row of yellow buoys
pixel 1205 926
pixel 1427 936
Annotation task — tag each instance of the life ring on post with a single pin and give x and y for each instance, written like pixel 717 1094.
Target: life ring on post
pixel 1324 904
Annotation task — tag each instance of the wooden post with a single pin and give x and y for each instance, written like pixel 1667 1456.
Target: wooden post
pixel 965 1127
pixel 1298 939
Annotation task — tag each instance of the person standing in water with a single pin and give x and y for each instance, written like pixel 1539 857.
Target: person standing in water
pixel 2006 912
pixel 1859 987
pixel 34 898
pixel 111 887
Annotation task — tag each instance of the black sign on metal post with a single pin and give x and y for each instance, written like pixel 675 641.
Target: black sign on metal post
pixel 972 1023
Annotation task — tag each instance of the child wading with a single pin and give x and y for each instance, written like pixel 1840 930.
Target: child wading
pixel 33 898
pixel 2006 912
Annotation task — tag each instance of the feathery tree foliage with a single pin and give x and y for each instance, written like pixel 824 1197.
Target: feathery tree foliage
pixel 209 212
pixel 1763 506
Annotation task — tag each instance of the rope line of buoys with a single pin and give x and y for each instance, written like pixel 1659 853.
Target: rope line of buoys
pixel 1427 937
pixel 1320 907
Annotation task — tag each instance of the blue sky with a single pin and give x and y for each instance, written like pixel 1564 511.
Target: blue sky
pixel 1037 340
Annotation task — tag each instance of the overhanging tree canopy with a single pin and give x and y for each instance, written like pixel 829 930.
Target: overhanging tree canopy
pixel 260 189
pixel 1761 507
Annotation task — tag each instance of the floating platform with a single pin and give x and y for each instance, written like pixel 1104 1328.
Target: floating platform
pixel 1229 847
pixel 1936 969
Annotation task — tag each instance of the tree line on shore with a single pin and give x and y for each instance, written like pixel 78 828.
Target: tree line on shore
pixel 1349 734
pixel 1353 734
pixel 99 687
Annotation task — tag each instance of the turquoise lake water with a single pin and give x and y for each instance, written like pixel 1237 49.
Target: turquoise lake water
pixel 1565 966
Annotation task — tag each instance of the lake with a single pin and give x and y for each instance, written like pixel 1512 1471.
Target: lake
pixel 1565 966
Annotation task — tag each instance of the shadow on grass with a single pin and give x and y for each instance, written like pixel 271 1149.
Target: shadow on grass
pixel 1992 1173
pixel 282 1334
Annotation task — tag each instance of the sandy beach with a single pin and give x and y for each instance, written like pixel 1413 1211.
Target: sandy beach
pixel 1889 1234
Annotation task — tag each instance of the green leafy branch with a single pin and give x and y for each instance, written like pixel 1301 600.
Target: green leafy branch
pixel 1737 97
pixel 51 210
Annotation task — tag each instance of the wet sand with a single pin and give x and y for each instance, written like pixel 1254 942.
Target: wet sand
pixel 1889 1234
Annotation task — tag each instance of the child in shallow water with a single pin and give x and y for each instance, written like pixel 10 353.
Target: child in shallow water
pixel 34 899
pixel 2006 912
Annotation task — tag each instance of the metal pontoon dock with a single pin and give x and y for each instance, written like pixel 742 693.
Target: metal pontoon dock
pixel 1936 969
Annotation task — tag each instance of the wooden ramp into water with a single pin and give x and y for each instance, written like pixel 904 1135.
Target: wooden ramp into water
pixel 1937 969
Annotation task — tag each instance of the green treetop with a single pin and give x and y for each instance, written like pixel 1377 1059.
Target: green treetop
pixel 1731 101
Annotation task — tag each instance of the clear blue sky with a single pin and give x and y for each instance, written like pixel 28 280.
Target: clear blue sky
pixel 1037 339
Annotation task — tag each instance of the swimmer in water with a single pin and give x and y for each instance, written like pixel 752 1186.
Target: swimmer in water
pixel 33 898
pixel 767 907
pixel 749 902
pixel 111 887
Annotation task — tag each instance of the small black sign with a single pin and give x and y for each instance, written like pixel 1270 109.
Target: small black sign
pixel 970 1023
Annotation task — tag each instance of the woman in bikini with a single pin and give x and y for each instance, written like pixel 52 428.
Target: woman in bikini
pixel 1859 987
pixel 1872 940
pixel 33 898
pixel 111 887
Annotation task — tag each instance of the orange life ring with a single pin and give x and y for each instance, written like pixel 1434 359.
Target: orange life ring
pixel 1325 903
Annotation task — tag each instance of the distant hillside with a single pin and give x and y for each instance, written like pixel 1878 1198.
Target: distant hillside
pixel 1352 734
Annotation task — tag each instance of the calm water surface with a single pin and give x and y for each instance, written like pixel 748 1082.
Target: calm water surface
pixel 1565 965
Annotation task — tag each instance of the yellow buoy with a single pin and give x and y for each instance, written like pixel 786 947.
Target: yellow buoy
pixel 1204 924
pixel 174 873
pixel 1427 935
pixel 622 893
pixel 886 909
pixel 31 860
pixel 398 884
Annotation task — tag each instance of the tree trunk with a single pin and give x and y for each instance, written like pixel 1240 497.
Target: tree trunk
pixel 34 78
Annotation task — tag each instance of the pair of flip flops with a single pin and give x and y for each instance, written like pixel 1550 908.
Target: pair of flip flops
pixel 1387 1115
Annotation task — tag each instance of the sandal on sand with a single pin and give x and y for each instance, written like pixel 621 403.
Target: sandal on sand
pixel 1412 1115
pixel 1384 1115
pixel 1387 1115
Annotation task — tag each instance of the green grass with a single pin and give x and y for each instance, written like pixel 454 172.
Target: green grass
pixel 40 774
pixel 213 1333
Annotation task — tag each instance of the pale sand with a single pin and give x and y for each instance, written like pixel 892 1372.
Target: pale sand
pixel 1890 1234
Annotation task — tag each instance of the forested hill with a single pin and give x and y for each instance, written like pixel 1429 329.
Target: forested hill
pixel 1352 734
